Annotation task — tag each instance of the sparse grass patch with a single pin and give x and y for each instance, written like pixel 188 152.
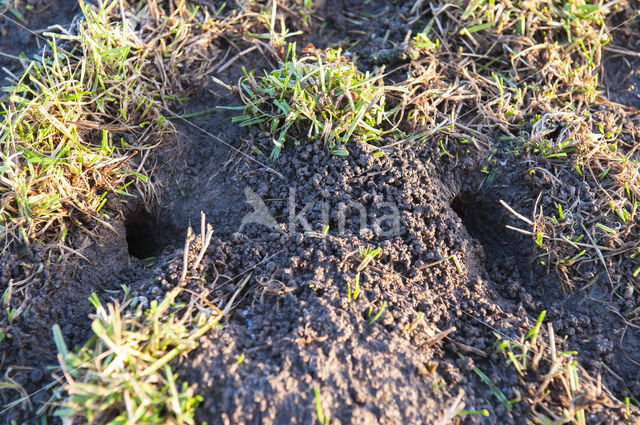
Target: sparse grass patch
pixel 509 61
pixel 586 219
pixel 553 384
pixel 321 97
pixel 528 71
pixel 546 52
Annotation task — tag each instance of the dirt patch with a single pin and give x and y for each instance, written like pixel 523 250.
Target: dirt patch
pixel 202 177
pixel 298 330
pixel 622 80
pixel 53 294
pixel 366 28
pixel 620 71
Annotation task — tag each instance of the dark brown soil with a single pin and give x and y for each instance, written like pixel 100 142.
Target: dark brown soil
pixel 294 326
pixel 621 78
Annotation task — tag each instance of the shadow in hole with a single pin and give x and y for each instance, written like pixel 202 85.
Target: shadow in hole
pixel 484 219
pixel 147 236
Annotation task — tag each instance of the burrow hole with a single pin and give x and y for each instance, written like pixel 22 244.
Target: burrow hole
pixel 148 235
pixel 485 220
pixel 482 223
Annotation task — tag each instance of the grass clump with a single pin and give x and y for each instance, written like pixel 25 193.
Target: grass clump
pixel 122 375
pixel 322 97
pixel 81 122
pixel 599 223
pixel 62 140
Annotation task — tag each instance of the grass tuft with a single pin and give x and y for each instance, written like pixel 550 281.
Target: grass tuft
pixel 322 97
pixel 122 374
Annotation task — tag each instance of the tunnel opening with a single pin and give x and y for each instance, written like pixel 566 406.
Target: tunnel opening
pixel 146 235
pixel 481 221
pixel 485 221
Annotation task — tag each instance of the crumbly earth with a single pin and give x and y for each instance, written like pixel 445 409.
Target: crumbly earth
pixel 294 328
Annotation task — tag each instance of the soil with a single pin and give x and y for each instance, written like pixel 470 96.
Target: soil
pixel 294 328
pixel 621 77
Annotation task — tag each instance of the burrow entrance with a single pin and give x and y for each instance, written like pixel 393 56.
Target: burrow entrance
pixel 147 235
pixel 485 220
pixel 481 221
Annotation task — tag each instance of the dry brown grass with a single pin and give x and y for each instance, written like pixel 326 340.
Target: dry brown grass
pixel 528 72
pixel 554 385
